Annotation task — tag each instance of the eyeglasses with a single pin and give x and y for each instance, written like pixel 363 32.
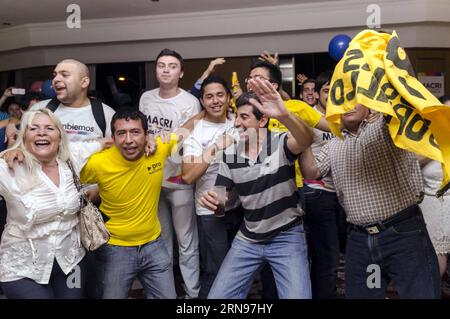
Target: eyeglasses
pixel 256 77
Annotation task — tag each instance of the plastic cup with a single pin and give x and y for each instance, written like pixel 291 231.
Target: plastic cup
pixel 221 192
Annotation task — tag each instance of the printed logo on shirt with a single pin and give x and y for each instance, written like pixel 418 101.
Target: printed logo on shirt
pixel 78 129
pixel 160 122
pixel 326 136
pixel 155 167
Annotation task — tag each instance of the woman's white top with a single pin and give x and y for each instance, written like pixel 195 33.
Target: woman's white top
pixel 42 221
pixel 432 178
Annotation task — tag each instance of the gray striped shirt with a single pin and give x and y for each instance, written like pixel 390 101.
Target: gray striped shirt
pixel 266 188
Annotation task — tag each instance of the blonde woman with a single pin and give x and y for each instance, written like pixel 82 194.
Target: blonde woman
pixel 40 246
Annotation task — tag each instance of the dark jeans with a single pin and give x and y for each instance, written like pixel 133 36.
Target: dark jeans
pixel 91 276
pixel 60 285
pixel 322 220
pixel 403 253
pixel 216 235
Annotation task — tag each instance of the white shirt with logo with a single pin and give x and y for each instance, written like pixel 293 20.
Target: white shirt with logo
pixel 167 115
pixel 79 122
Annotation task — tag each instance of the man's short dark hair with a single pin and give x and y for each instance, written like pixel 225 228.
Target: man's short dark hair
pixel 244 99
pixel 168 52
pixel 129 114
pixel 274 71
pixel 323 79
pixel 214 79
pixel 444 98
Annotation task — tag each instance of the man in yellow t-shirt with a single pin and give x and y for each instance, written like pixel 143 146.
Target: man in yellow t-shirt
pixel 129 186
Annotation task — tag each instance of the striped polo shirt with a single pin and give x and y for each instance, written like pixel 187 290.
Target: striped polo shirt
pixel 266 187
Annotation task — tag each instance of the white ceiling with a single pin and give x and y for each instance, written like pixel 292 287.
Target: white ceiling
pixel 17 12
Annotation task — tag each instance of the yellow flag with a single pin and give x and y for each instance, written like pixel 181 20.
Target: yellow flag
pixel 234 87
pixel 375 71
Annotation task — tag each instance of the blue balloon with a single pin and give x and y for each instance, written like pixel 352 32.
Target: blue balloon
pixel 47 89
pixel 338 44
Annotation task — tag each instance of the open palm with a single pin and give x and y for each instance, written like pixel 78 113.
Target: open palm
pixel 272 104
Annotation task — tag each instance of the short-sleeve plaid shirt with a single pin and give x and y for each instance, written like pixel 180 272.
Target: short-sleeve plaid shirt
pixel 374 179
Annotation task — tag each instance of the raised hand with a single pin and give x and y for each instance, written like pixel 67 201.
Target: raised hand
pixel 266 56
pixel 211 67
pixel 214 63
pixel 272 104
pixel 8 92
pixel 301 78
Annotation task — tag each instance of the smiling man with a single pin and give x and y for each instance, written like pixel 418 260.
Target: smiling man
pixel 308 92
pixel 199 167
pixel 82 118
pixel 130 185
pixel 261 169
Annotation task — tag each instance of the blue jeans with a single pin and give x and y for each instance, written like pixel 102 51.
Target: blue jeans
pixel 118 266
pixel 404 254
pixel 285 253
pixel 321 219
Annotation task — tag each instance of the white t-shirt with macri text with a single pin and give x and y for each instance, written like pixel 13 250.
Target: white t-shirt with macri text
pixel 79 122
pixel 167 115
pixel 202 137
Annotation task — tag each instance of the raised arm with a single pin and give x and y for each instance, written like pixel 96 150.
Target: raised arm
pixel 183 132
pixel 194 167
pixel 273 106
pixel 308 165
pixel 6 95
pixel 195 90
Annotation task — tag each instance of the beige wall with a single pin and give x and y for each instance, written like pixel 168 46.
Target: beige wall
pixel 300 28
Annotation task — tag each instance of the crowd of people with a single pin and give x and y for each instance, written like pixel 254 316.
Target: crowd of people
pixel 297 197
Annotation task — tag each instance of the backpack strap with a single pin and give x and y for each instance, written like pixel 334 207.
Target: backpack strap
pixel 97 111
pixel 53 104
pixel 99 114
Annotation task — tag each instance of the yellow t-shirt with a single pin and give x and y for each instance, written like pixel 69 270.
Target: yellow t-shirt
pixel 130 192
pixel 307 114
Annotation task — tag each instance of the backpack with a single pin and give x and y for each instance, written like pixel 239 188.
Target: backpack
pixel 97 111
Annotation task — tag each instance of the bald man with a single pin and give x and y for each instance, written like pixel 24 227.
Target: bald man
pixel 71 82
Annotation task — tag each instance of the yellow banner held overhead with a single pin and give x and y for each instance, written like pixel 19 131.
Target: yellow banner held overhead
pixel 376 72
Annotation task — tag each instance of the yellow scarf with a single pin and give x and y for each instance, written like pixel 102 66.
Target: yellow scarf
pixel 375 71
